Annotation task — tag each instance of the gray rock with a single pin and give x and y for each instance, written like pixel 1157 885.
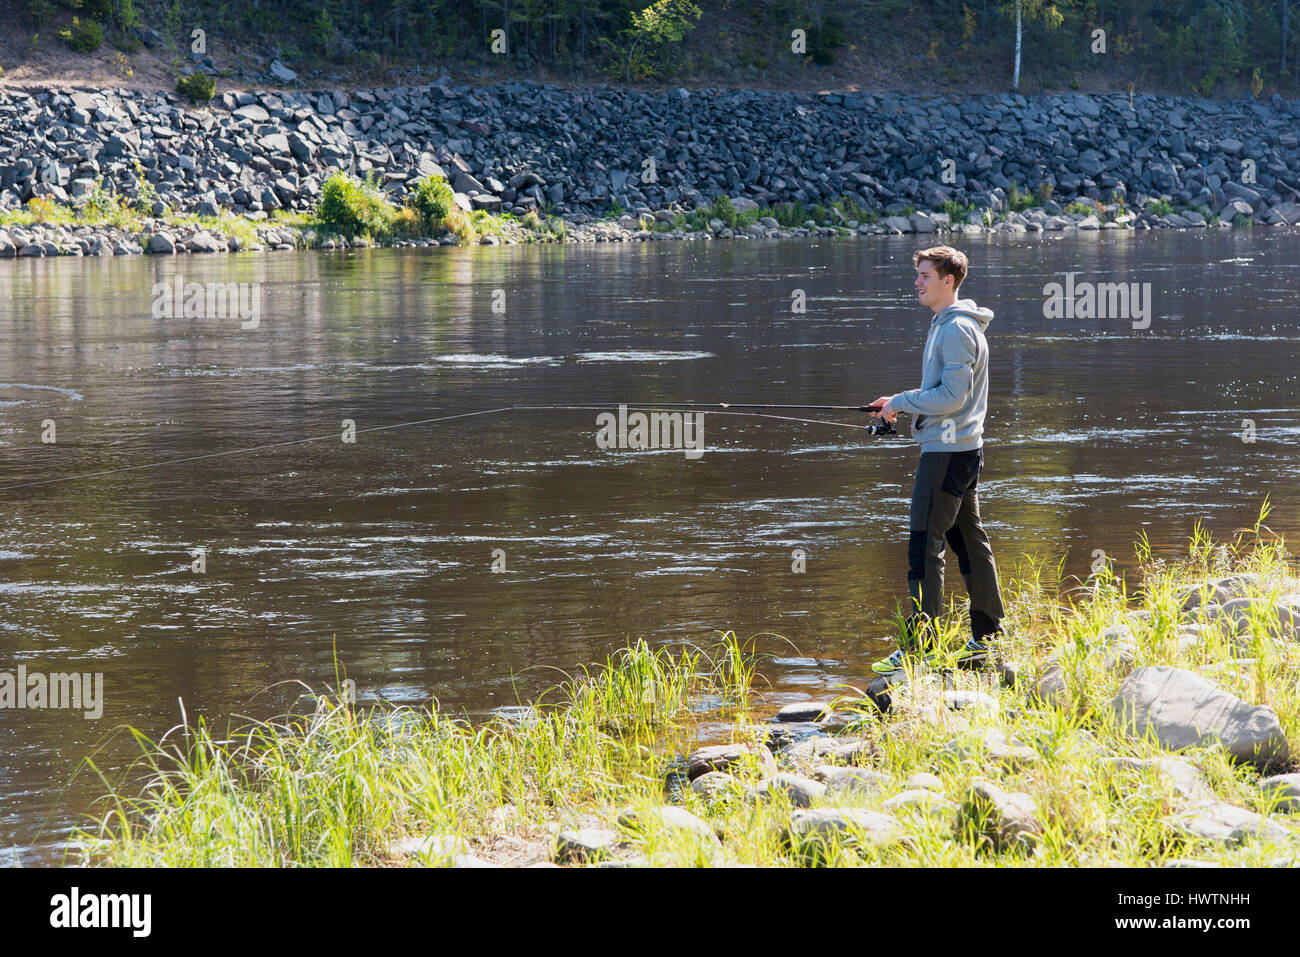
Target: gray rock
pixel 801 791
pixel 715 785
pixel 253 112
pixel 727 757
pixel 850 782
pixel 431 847
pixel 1223 823
pixel 858 751
pixel 1186 778
pixel 1184 710
pixel 668 817
pixel 1001 820
pixel 274 143
pixel 968 748
pixel 921 223
pixel 803 711
pixel 202 242
pixel 924 780
pixel 1219 590
pixel 851 826
pixel 585 844
pixel 160 243
pixel 974 701
pixel 1284 789
pixel 919 799
pixel 1013 757
pixel 810 751
pixel 281 72
pixel 1281 618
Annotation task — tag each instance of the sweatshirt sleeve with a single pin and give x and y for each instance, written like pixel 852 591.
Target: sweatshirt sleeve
pixel 959 350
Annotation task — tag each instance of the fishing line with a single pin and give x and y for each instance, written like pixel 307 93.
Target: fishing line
pixel 720 408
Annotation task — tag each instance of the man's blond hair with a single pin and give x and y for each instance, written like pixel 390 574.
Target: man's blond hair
pixel 946 261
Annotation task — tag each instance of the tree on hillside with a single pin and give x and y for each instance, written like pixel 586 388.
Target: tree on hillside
pixel 1031 10
pixel 666 21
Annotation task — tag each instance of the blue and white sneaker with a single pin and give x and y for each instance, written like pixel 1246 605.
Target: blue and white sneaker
pixel 976 651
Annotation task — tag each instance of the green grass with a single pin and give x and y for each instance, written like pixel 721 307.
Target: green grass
pixel 336 786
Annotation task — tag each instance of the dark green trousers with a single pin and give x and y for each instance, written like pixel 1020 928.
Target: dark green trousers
pixel 946 512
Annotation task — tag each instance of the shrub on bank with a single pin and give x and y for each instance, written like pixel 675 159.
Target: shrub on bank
pixel 434 200
pixel 355 208
pixel 197 86
pixel 84 36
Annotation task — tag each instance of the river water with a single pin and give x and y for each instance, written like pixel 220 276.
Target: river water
pixel 385 548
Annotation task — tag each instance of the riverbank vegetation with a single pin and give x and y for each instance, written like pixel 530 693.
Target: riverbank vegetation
pixel 353 211
pixel 1031 764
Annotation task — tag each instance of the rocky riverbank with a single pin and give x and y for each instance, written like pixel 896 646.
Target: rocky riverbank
pixel 114 171
pixel 1113 732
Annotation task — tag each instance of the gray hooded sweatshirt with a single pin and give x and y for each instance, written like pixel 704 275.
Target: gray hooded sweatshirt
pixel 954 389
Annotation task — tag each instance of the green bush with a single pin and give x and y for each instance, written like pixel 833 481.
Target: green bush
pixel 434 200
pixel 197 86
pixel 725 210
pixel 84 36
pixel 352 208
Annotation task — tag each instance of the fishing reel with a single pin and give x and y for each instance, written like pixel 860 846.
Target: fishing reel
pixel 881 427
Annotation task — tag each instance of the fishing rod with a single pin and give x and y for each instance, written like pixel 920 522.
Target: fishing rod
pixel 724 408
pixel 713 408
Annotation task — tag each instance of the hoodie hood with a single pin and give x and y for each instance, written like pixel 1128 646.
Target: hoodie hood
pixel 966 307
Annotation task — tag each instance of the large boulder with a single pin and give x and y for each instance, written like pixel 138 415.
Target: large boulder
pixel 1183 710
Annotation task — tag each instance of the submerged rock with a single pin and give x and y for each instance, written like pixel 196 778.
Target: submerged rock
pixel 804 711
pixel 726 757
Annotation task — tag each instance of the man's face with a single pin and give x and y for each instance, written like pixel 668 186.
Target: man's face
pixel 931 288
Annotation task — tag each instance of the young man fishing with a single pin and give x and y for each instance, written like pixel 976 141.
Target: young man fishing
pixel 948 422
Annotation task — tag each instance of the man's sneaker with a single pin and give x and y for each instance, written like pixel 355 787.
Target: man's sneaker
pixel 975 652
pixel 894 663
